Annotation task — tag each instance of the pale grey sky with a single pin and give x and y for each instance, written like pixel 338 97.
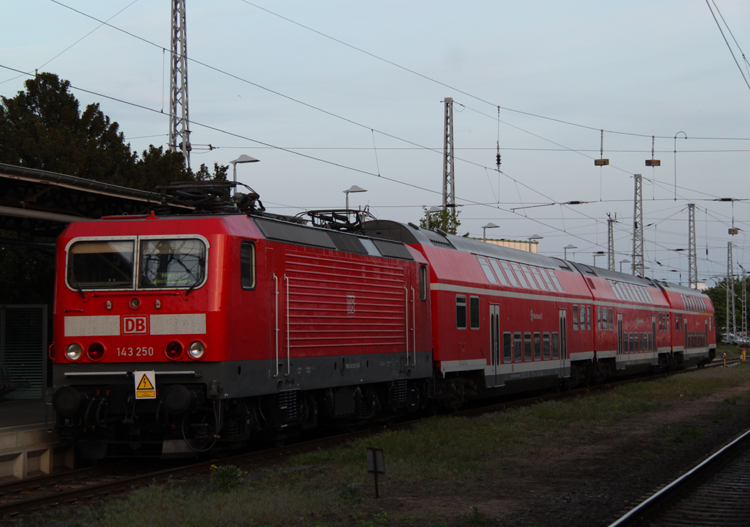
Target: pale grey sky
pixel 637 67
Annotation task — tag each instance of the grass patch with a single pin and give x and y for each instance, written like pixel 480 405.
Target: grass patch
pixel 444 457
pixel 680 433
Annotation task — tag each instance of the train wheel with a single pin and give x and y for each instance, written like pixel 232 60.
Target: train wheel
pixel 198 431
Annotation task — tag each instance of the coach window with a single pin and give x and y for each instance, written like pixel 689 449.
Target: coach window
pixel 583 318
pixel 498 271
pixel 247 265
pixel 604 319
pixel 487 271
pixel 474 312
pixel 575 318
pixel 507 348
pixel 599 317
pixel 557 283
pixel 460 312
pixel 546 278
pixel 509 273
pixel 529 276
pixel 537 346
pixel 518 347
pixel 588 317
pixel 611 318
pixel 519 275
pixel 527 347
pixel 423 283
pixel 545 346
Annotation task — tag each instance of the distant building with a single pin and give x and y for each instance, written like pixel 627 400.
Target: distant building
pixel 516 244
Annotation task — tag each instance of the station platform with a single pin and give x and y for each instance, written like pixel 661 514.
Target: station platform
pixel 27 448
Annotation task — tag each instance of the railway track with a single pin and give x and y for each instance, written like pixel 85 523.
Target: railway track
pixel 103 482
pixel 713 494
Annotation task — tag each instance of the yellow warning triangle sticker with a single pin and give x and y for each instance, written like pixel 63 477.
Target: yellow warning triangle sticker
pixel 145 384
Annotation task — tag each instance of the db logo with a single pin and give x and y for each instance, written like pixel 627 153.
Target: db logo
pixel 134 325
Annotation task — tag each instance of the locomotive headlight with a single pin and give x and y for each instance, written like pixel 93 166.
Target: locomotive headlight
pixel 196 350
pixel 74 351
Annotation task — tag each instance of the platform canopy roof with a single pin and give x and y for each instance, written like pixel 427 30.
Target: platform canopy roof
pixel 42 203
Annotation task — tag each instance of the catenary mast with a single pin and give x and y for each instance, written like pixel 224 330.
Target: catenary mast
pixel 179 123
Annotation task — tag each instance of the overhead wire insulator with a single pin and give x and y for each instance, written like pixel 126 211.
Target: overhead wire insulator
pixel 498 159
pixel 652 162
pixel 601 161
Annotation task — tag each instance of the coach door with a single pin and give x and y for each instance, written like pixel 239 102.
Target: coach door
pixel 620 362
pixel 654 346
pixel 564 372
pixel 492 378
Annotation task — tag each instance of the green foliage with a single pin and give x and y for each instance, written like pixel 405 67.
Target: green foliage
pixel 446 220
pixel 226 477
pixel 42 127
pixel 220 173
pixel 718 295
pixel 350 492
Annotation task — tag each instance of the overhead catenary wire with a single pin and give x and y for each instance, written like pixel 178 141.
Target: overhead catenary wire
pixel 516 182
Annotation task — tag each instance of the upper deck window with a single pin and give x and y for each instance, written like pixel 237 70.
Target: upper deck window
pixel 486 268
pixel 101 264
pixel 498 271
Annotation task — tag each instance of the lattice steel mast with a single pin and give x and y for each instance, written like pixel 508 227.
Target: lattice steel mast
pixel 611 241
pixel 638 265
pixel 179 123
pixel 692 251
pixel 731 321
pixel 449 189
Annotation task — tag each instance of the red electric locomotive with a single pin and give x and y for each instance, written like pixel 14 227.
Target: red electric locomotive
pixel 179 334
pixel 175 334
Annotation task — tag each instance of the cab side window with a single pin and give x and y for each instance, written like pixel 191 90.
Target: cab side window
pixel 247 265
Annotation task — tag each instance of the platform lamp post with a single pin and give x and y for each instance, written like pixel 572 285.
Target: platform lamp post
pixel 484 230
pixel 244 158
pixel 534 238
pixel 354 188
pixel 622 262
pixel 570 246
pixel 597 254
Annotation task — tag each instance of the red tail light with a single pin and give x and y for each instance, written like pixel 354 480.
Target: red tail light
pixel 95 351
pixel 173 350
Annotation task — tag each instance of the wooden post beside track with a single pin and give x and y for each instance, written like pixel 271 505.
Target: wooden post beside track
pixel 376 466
pixel 725 360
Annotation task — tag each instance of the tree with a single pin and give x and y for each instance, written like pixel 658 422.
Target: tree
pixel 718 295
pixel 43 128
pixel 220 173
pixel 442 220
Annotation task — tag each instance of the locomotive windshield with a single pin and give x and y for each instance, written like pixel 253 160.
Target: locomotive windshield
pixel 161 263
pixel 101 264
pixel 171 263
